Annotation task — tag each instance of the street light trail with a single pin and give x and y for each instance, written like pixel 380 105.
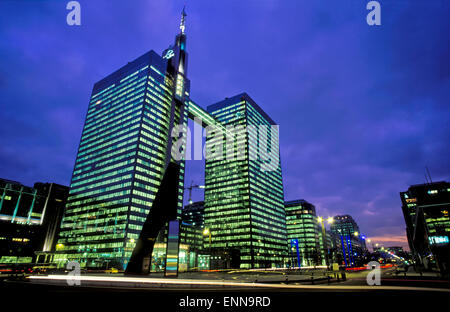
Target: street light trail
pixel 158 281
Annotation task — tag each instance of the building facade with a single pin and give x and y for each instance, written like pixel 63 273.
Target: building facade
pixel 244 204
pixel 192 238
pixel 304 234
pixel 352 242
pixel 426 211
pixel 30 218
pixel 194 214
pixel 124 151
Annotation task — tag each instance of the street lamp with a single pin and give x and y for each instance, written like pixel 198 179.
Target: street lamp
pixel 206 231
pixel 324 237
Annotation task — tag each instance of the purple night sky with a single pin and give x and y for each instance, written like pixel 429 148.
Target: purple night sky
pixel 362 110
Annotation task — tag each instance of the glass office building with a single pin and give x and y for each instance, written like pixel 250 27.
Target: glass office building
pixel 304 234
pixel 426 211
pixel 125 150
pixel 345 229
pixel 122 156
pixel 244 204
pixel 30 218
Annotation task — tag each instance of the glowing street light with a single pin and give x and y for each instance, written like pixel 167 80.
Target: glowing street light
pixel 206 232
pixel 324 238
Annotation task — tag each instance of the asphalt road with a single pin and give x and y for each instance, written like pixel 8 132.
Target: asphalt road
pixel 61 298
pixel 284 296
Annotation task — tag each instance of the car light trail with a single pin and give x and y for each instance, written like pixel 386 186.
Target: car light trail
pixel 140 282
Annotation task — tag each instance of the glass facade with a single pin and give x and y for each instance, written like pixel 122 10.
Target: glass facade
pixel 30 218
pixel 345 229
pixel 426 211
pixel 121 159
pixel 20 203
pixel 126 145
pixel 244 205
pixel 304 234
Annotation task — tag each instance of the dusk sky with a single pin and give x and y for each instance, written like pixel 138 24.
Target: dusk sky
pixel 362 109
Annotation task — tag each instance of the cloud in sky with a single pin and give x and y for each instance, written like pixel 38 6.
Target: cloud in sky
pixel 362 110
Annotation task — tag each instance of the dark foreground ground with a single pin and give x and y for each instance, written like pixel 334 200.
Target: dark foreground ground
pixel 25 295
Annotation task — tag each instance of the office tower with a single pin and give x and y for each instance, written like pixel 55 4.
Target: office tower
pixel 30 219
pixel 426 211
pixel 244 204
pixel 303 233
pixel 124 153
pixel 346 229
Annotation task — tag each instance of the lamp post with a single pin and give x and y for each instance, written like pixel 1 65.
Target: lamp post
pixel 206 231
pixel 324 238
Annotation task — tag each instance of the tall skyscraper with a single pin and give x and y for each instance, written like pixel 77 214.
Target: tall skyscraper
pixel 426 211
pixel 303 233
pixel 123 154
pixel 244 202
pixel 125 171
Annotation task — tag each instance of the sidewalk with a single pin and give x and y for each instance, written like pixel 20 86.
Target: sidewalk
pixel 411 273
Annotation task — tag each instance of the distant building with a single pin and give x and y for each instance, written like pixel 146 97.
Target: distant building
pixel 304 234
pixel 352 242
pixel 396 249
pixel 192 240
pixel 426 211
pixel 194 213
pixel 344 225
pixel 30 218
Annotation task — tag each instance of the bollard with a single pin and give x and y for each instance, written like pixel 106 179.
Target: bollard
pixel 312 280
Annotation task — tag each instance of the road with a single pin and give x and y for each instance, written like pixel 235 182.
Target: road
pixel 168 294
